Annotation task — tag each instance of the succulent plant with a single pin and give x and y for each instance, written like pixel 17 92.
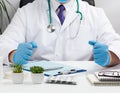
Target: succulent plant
pixel 36 69
pixel 17 68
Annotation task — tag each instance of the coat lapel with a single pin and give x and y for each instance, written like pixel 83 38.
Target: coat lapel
pixel 55 20
pixel 70 17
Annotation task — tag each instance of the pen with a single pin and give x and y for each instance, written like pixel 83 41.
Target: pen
pixel 72 71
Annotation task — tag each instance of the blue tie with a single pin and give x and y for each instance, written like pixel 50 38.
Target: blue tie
pixel 61 14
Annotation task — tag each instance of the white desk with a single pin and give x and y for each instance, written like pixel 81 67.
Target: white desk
pixel 83 86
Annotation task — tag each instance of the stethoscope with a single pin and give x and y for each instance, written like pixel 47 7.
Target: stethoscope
pixel 51 27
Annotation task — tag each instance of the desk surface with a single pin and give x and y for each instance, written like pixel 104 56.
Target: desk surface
pixel 83 86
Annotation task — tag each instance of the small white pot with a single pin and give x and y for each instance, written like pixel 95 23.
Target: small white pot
pixel 37 78
pixel 17 78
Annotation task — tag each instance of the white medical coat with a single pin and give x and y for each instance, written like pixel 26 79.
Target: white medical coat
pixel 68 42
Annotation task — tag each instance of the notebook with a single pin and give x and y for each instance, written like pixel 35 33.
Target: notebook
pixel 105 78
pixel 95 81
pixel 52 68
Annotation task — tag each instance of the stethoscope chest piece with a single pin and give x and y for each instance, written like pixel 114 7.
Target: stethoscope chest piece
pixel 50 28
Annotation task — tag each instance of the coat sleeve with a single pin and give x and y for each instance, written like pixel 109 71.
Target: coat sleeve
pixel 106 33
pixel 13 35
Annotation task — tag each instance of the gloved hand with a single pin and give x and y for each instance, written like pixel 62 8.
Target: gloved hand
pixel 24 52
pixel 101 53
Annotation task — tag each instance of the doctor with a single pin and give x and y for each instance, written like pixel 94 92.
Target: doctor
pixel 60 30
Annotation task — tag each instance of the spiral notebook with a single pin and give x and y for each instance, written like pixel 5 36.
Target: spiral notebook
pixel 106 78
pixel 95 81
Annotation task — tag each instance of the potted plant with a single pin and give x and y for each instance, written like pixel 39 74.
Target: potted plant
pixel 37 74
pixel 17 74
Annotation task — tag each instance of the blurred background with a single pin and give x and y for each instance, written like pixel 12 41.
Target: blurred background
pixel 111 8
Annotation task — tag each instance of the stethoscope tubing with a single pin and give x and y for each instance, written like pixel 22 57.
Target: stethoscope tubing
pixel 50 26
pixel 50 14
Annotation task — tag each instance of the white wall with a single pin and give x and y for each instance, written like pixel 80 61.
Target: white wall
pixel 112 10
pixel 11 10
pixel 15 4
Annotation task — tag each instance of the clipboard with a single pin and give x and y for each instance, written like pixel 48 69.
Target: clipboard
pixel 53 68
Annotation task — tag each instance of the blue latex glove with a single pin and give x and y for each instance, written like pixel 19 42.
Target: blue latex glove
pixel 24 52
pixel 101 53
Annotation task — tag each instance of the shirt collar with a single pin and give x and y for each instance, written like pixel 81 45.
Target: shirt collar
pixel 55 4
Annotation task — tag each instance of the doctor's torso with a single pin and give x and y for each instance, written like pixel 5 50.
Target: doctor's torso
pixel 68 42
